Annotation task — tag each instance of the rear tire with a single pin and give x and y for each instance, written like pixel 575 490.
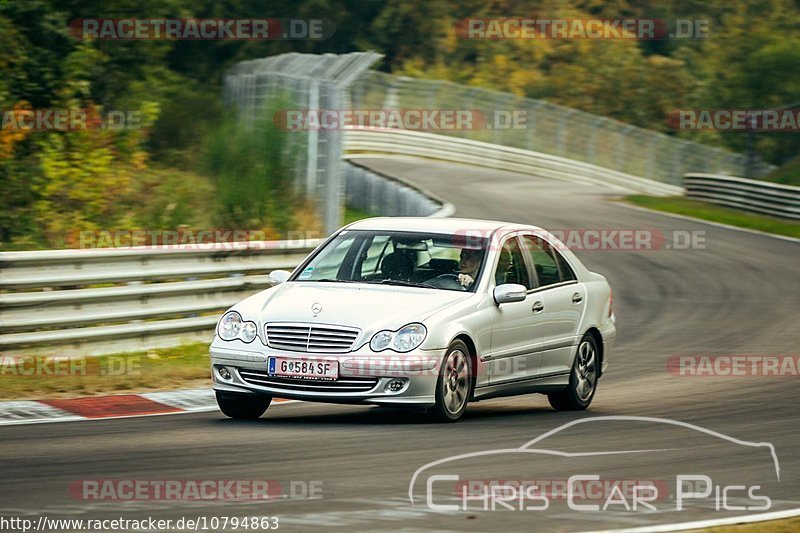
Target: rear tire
pixel 454 386
pixel 242 406
pixel 582 379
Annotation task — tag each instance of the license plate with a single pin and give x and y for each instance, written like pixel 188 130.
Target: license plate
pixel 323 370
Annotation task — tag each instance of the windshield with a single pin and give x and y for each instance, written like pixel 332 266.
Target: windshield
pixel 427 260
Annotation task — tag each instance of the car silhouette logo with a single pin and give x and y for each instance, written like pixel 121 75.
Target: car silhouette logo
pixel 531 447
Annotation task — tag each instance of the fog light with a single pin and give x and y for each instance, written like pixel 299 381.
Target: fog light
pixel 396 385
pixel 224 373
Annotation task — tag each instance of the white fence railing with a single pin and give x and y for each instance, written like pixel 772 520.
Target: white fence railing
pixel 83 302
pixel 477 153
pixel 750 195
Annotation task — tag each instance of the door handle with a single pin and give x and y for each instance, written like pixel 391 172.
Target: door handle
pixel 577 298
pixel 538 307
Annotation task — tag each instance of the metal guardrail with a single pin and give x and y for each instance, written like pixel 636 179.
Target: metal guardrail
pixel 749 195
pixel 86 302
pixel 477 153
pixel 386 196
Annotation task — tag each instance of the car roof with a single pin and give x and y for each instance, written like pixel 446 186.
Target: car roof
pixel 436 225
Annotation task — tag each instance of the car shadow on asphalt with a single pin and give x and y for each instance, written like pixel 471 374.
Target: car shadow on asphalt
pixel 300 414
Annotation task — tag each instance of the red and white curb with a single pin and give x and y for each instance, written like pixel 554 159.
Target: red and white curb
pixel 114 406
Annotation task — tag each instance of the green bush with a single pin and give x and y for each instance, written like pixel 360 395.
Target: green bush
pixel 252 165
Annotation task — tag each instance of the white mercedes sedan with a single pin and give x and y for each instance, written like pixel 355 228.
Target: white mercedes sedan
pixel 420 312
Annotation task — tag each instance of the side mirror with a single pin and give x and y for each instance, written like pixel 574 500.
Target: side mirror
pixel 509 292
pixel 279 276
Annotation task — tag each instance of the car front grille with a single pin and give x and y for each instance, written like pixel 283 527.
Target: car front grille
pixel 347 384
pixel 316 338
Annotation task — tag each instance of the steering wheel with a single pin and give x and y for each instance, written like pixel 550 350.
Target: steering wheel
pixel 446 281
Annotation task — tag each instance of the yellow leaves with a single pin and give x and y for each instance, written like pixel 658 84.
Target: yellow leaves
pixel 9 133
pixel 415 68
pixel 139 160
pixel 525 81
pixel 450 39
pixel 87 175
pixel 149 111
pixel 501 63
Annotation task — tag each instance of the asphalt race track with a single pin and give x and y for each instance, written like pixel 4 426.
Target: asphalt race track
pixel 738 294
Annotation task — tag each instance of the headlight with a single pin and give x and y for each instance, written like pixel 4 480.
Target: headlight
pixel 248 332
pixel 232 327
pixel 403 340
pixel 409 337
pixel 381 340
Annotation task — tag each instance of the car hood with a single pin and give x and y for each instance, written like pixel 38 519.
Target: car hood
pixel 369 307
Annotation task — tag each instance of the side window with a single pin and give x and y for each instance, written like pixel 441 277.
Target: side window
pixel 511 265
pixel 567 274
pixel 542 257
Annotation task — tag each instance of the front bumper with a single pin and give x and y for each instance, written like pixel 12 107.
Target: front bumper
pixel 247 363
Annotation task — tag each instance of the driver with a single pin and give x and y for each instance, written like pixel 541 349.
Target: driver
pixel 470 264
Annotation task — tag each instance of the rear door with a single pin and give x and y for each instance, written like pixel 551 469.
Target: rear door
pixel 563 302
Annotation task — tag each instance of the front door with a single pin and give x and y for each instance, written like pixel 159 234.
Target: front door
pixel 514 325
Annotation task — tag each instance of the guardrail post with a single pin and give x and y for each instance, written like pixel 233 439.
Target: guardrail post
pixel 651 157
pixel 562 132
pixel 390 100
pixel 591 155
pixel 533 124
pixel 313 141
pixel 621 148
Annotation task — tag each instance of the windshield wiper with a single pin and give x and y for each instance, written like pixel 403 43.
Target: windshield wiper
pixel 403 283
pixel 332 280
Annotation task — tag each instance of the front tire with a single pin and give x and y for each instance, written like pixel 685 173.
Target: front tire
pixel 454 386
pixel 242 406
pixel 582 379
